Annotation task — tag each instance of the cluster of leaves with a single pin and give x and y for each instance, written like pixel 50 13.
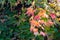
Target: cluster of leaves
pixel 14 24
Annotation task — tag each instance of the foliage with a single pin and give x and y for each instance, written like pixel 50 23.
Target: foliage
pixel 15 24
